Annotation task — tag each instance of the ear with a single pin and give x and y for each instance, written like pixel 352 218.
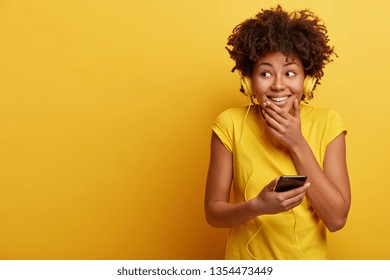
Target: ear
pixel 308 86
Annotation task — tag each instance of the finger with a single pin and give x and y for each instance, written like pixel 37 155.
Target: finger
pixel 275 111
pixel 274 115
pixel 294 204
pixel 271 121
pixel 300 191
pixel 274 127
pixel 271 185
pixel 294 201
pixel 278 114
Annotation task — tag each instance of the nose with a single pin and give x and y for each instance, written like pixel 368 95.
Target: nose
pixel 278 84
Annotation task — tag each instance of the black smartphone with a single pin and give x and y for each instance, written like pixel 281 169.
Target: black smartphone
pixel 289 182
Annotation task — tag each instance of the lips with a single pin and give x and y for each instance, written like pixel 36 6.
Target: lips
pixel 279 98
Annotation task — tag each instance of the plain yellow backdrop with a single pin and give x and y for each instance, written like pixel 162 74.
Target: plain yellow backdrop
pixel 105 115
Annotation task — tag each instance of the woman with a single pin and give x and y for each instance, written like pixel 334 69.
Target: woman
pixel 280 57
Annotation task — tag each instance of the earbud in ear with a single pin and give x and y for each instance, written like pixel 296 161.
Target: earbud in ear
pixel 308 86
pixel 246 86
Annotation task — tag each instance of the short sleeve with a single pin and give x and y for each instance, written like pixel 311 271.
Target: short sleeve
pixel 223 127
pixel 336 126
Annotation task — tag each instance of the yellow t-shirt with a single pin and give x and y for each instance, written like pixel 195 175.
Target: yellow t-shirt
pixel 297 234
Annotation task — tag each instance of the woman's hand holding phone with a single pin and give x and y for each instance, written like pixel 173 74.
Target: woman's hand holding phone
pixel 269 201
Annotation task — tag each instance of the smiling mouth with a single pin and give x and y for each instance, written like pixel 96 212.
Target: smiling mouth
pixel 279 98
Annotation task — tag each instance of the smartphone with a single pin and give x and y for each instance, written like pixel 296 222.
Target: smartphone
pixel 289 182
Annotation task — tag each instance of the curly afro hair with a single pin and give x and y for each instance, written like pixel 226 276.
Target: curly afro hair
pixel 300 33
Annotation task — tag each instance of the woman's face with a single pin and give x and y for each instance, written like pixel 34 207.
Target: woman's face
pixel 279 79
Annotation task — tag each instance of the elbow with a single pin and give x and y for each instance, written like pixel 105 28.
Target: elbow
pixel 208 214
pixel 212 221
pixel 213 218
pixel 337 224
pixel 338 220
pixel 208 218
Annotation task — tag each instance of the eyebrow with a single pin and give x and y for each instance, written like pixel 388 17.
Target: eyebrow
pixel 284 65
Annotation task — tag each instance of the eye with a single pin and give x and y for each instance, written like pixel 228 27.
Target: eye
pixel 290 74
pixel 266 74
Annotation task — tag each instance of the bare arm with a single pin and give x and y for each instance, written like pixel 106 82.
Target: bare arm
pixel 220 212
pixel 330 190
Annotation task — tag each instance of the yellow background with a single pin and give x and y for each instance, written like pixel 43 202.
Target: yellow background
pixel 105 115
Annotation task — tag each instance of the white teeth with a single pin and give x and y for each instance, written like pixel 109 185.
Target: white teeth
pixel 279 99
